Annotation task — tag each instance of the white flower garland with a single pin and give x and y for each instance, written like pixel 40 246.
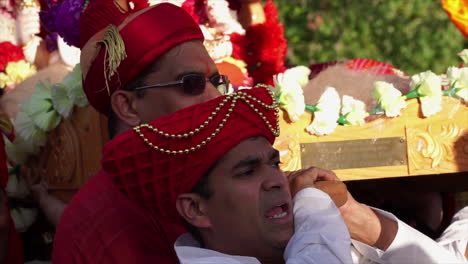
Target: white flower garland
pixel 42 112
pixel 426 86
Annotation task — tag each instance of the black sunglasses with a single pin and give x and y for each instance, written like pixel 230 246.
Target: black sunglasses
pixel 194 83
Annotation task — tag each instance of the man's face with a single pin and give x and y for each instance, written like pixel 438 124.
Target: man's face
pixel 188 57
pixel 251 209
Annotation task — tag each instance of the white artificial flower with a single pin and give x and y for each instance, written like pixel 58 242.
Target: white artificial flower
pixel 8 28
pixel 429 87
pixel 464 55
pixel 427 83
pixel 23 218
pixel 389 98
pixel 19 151
pixel 298 73
pixel 325 118
pixel 463 94
pixel 26 129
pixel 430 105
pixel 73 82
pixel 40 109
pixel 24 125
pixel 222 18
pixel 354 110
pixel 463 79
pixel 294 105
pixel 453 74
pixel 16 187
pixel 62 103
pixel 288 90
pixel 458 79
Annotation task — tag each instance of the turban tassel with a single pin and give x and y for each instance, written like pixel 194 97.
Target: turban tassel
pixel 115 53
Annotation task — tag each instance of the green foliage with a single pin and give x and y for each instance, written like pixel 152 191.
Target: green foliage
pixel 414 36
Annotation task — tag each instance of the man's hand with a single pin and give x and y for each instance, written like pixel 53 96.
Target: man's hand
pixel 363 223
pixel 305 178
pixel 324 180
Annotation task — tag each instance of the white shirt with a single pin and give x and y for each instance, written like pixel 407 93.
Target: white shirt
pixel 409 246
pixel 455 237
pixel 320 236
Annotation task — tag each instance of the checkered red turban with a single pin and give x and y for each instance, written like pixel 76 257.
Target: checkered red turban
pixel 153 178
pixel 119 45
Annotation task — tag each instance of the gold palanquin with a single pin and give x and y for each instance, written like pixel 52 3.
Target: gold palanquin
pixel 433 145
pixel 71 155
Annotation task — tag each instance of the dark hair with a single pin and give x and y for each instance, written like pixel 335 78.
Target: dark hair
pixel 140 80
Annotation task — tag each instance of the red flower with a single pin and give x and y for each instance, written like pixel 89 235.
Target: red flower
pixel 196 8
pixel 263 48
pixel 9 53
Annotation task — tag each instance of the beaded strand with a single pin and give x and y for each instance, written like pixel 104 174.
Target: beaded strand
pixel 234 97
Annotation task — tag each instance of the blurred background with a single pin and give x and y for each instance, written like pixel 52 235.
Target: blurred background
pixel 413 36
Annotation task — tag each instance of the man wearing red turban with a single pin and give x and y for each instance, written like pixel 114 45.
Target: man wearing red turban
pixel 214 165
pixel 123 53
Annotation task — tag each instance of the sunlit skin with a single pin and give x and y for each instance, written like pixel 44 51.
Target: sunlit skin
pixel 249 188
pixel 188 57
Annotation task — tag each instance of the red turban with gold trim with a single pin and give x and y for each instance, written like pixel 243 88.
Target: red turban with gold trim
pixel 154 163
pixel 119 45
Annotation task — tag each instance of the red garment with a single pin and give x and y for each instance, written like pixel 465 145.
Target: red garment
pixel 100 225
pixel 146 37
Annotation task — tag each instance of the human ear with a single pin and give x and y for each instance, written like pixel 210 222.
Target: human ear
pixel 192 208
pixel 122 103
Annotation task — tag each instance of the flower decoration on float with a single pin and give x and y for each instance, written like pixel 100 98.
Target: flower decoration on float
pixel 353 112
pixel 13 67
pixel 457 80
pixel 389 99
pixel 464 56
pixel 42 112
pixel 326 113
pixel 427 86
pixel 288 91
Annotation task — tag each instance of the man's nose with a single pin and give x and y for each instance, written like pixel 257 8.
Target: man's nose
pixel 274 179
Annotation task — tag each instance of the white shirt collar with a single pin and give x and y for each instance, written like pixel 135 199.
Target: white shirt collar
pixel 189 252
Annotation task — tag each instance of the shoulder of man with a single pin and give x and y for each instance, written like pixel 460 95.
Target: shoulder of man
pixel 100 225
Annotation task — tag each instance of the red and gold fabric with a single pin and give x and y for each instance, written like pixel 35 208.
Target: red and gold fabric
pixel 154 163
pixel 125 43
pixel 458 13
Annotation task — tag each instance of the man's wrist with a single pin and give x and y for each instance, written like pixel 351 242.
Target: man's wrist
pixel 389 229
pixel 369 227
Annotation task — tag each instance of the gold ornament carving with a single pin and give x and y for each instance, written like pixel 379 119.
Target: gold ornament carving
pixel 438 146
pixel 289 150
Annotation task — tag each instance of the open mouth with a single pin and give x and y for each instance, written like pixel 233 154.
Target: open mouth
pixel 278 211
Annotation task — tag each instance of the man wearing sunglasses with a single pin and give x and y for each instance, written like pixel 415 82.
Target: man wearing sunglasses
pixel 138 66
